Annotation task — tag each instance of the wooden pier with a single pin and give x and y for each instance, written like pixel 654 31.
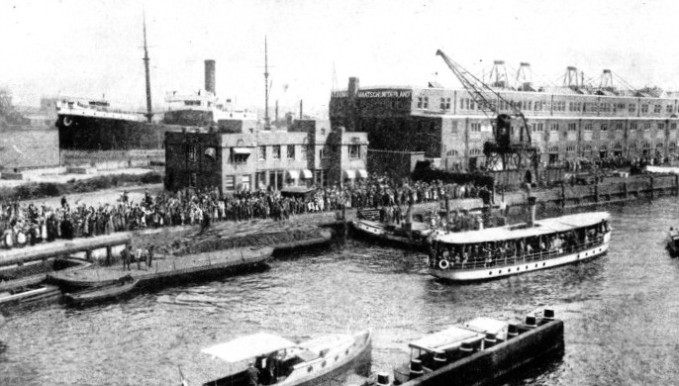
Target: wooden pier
pixel 165 269
pixel 614 191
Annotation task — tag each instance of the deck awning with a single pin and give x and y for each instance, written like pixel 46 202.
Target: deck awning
pixel 306 174
pixel 241 150
pixel 362 173
pixel 350 174
pixel 248 347
pixel 292 174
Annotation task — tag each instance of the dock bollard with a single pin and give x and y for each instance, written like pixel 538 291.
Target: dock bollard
pixel 415 368
pixel 466 349
pixel 547 316
pixel 383 379
pixel 439 360
pixel 489 341
pixel 512 331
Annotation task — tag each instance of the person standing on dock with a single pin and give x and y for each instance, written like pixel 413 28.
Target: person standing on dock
pixel 149 256
pixel 138 254
pixel 125 256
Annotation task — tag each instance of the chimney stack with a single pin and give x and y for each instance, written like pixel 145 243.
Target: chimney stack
pixel 210 76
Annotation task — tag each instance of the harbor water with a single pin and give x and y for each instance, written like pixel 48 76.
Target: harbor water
pixel 621 313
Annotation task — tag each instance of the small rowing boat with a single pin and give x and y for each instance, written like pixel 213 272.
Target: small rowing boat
pixel 124 286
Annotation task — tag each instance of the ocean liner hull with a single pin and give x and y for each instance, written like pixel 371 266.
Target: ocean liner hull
pixel 79 132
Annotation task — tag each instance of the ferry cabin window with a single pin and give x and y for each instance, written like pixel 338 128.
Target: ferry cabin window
pixel 644 108
pixel 657 108
pixel 604 127
pixel 588 127
pixel 669 109
pixel 633 126
pixel 618 126
pixel 354 151
pixel 661 126
pixel 554 127
pixel 419 102
pixel 291 152
pixel 673 126
pixel 277 152
pixel 475 127
pixel 262 153
pixel 647 126
pixel 572 127
pixel 631 108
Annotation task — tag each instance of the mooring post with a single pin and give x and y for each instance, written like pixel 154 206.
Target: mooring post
pixel 596 191
pixel 624 189
pixel 563 194
pixel 652 187
pixel 676 184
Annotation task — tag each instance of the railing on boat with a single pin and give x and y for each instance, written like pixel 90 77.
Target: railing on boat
pixel 516 260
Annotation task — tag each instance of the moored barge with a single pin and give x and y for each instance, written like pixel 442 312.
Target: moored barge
pixel 481 351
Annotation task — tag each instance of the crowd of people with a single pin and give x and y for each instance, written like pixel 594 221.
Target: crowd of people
pixel 23 224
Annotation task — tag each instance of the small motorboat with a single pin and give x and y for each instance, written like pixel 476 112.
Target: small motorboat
pixel 124 286
pixel 672 245
pixel 278 361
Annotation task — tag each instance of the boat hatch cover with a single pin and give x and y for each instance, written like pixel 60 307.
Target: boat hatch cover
pixel 448 338
pixel 248 347
pixel 487 325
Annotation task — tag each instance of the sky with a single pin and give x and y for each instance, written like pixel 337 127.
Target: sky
pixel 94 48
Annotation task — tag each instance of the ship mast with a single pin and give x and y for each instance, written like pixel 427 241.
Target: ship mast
pixel 266 86
pixel 149 109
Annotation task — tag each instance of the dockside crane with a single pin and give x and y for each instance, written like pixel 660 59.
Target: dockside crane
pixel 505 152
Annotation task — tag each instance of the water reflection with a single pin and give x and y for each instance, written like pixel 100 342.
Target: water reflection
pixel 621 312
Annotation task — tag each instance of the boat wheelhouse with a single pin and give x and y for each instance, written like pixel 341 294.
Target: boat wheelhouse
pixel 514 249
pixel 282 362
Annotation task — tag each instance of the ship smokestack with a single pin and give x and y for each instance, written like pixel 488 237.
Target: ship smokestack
pixel 532 204
pixel 210 82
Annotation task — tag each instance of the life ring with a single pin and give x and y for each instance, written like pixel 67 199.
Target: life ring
pixel 444 264
pixel 21 239
pixel 67 121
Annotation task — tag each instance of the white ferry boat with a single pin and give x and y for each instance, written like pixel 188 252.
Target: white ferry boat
pixel 514 249
pixel 279 361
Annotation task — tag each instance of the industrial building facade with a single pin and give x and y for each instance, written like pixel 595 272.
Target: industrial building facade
pixel 308 153
pixel 566 125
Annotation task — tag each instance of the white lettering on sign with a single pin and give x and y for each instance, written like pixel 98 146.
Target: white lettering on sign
pixel 385 94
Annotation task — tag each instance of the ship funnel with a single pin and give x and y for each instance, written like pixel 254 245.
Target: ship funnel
pixel 210 83
pixel 532 204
